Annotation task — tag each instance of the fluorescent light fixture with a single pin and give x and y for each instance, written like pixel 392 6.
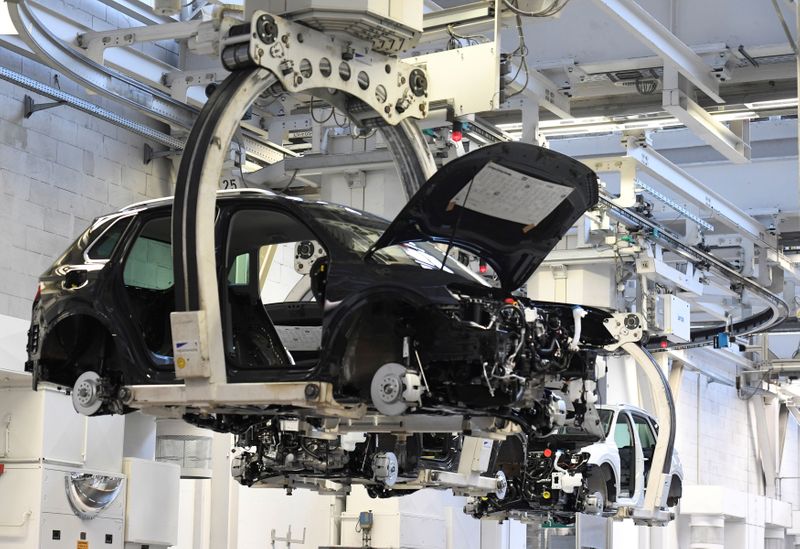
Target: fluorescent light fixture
pixel 730 116
pixel 604 124
pixel 789 103
pixel 510 126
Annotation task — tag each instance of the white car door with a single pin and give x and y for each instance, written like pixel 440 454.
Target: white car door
pixel 646 442
pixel 631 481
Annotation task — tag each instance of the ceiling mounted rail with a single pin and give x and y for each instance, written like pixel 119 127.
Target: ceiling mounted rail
pixel 58 55
pixel 91 109
pixel 103 80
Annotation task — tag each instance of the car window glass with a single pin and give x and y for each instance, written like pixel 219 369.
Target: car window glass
pixel 622 432
pixel 646 436
pixel 239 272
pixel 103 247
pixel 606 417
pixel 149 263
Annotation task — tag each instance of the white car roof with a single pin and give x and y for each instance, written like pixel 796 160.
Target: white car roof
pixel 629 407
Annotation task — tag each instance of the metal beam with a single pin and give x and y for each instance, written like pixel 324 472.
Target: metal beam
pixel 140 11
pixel 679 181
pixel 659 38
pixel 540 88
pixel 765 451
pixel 56 53
pixel 96 42
pixel 38 25
pixel 678 103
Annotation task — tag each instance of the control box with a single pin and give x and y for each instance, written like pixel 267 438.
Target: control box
pixel 672 318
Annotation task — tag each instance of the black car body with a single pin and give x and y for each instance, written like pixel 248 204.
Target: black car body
pixel 380 294
pixel 370 286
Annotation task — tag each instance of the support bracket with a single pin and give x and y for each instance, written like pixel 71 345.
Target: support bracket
pixel 149 154
pixel 30 106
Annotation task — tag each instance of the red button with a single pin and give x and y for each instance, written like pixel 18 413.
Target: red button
pixel 547 452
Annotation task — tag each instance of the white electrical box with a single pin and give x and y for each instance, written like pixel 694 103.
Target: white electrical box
pixel 391 25
pixel 672 318
pixel 43 425
pixel 475 455
pixel 151 515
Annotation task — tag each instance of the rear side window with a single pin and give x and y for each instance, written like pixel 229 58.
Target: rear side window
pixel 239 273
pixel 102 248
pixel 149 264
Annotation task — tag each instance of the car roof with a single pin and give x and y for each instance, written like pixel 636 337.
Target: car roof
pixel 156 202
pixel 629 407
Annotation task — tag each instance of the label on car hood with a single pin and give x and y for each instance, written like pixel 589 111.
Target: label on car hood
pixel 508 203
pixel 507 194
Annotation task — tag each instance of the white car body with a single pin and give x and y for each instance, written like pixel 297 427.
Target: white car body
pixel 606 454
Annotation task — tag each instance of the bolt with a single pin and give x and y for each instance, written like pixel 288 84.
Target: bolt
pixel 311 391
pixel 300 37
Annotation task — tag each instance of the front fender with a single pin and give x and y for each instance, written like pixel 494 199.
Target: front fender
pixel 602 453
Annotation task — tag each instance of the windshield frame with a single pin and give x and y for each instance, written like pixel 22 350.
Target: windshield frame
pixel 422 254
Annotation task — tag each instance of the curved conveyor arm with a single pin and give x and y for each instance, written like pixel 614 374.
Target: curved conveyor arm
pixel 410 152
pixel 194 259
pixel 659 479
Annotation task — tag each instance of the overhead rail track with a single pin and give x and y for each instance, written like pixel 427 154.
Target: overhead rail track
pixel 776 312
pixel 91 109
pixel 146 99
pixel 79 68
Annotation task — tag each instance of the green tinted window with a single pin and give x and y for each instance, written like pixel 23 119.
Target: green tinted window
pixel 646 435
pixel 149 264
pixel 622 432
pixel 239 273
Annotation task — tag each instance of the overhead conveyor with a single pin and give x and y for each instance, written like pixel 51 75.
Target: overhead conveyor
pixel 197 318
pixel 376 90
pixel 140 94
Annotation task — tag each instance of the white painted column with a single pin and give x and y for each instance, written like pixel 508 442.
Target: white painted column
pixel 224 496
pixel 707 532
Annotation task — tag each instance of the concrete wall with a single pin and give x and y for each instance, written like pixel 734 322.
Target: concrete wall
pixel 59 169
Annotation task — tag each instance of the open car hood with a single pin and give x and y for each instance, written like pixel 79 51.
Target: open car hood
pixel 508 203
